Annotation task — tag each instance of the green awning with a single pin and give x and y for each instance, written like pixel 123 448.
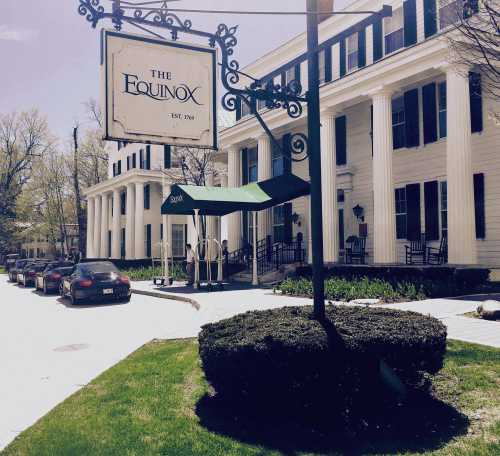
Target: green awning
pixel 184 199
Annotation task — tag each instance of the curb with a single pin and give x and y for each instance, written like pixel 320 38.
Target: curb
pixel 171 297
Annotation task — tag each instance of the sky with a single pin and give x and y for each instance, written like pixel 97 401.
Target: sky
pixel 50 54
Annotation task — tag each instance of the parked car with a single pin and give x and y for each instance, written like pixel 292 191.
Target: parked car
pixel 99 280
pixel 30 271
pixel 18 267
pixel 10 260
pixel 20 272
pixel 50 278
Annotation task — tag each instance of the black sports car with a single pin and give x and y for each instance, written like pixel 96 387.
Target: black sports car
pixel 50 278
pixel 17 268
pixel 96 281
pixel 28 276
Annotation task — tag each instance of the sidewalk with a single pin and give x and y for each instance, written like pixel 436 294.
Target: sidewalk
pixel 241 297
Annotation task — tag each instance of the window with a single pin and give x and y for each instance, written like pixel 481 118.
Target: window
pixel 147 196
pixel 401 213
pixel 279 223
pixel 167 157
pixel 340 195
pixel 278 164
pixel 289 75
pixel 341 230
pixel 123 203
pixel 398 123
pixel 147 164
pixel 134 160
pixel 178 242
pixel 444 208
pixel 394 31
pixel 322 66
pixel 118 167
pixel 245 109
pixel 141 159
pixel 442 109
pixel 122 242
pixel 352 52
pixel 252 166
pixel 450 11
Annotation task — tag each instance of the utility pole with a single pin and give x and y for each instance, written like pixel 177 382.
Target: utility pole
pixel 314 149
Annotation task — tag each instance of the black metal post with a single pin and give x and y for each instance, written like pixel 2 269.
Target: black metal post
pixel 314 147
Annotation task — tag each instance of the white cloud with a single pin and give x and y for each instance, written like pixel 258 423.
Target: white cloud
pixel 9 33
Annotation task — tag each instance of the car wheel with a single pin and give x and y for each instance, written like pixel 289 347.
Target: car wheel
pixel 45 291
pixel 61 290
pixel 24 282
pixel 73 299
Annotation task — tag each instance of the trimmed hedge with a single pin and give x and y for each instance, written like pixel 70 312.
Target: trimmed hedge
pixel 283 358
pixel 433 282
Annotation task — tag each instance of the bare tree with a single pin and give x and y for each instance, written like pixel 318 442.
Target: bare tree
pixel 24 138
pixel 475 41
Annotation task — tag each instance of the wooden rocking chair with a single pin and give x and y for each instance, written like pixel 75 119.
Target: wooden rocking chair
pixel 437 256
pixel 417 250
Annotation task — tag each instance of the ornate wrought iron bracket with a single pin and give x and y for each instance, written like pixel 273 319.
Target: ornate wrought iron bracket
pixel 156 14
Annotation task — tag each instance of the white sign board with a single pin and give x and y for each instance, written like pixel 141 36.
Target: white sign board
pixel 159 92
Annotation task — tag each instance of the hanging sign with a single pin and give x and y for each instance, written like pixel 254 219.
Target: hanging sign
pixel 159 92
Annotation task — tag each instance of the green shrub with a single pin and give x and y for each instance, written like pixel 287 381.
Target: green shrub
pixel 340 289
pixel 285 358
pixel 177 272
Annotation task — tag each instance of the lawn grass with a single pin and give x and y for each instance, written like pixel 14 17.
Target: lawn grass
pixel 149 404
pixel 2 270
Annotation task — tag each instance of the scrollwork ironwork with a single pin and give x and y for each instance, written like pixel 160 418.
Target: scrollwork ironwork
pixel 298 145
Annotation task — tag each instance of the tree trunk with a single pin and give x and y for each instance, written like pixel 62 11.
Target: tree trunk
pixel 80 213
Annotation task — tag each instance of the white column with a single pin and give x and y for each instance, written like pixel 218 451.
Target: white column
pixel 234 180
pixel 265 171
pixel 97 227
pixel 104 225
pixel 130 223
pixel 139 221
pixel 384 223
pixel 167 224
pixel 329 187
pixel 115 235
pixel 461 215
pixel 90 227
pixel 211 223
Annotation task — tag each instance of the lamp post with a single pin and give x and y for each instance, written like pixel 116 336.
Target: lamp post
pixel 314 146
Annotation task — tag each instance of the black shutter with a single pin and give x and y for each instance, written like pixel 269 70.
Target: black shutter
pixel 328 64
pixel 141 159
pixel 167 157
pixel 413 211
pixel 378 46
pixel 341 140
pixel 297 72
pixel 287 154
pixel 430 112
pixel 148 157
pixel 410 22
pixel 238 109
pixel 148 241
pixel 411 118
pixel 114 169
pixel 128 163
pixel 342 64
pixel 476 103
pixel 479 206
pixel 288 235
pixel 362 48
pixel 119 171
pixel 244 181
pixel 147 199
pixel 431 199
pixel 134 160
pixel 430 18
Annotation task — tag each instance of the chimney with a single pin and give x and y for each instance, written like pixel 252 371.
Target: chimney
pixel 325 5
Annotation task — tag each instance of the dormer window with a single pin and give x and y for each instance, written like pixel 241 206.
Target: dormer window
pixel 352 52
pixel 394 31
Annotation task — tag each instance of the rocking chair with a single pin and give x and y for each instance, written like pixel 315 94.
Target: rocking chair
pixel 438 256
pixel 416 251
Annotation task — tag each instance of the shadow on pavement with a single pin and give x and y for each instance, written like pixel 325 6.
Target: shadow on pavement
pixel 425 424
pixel 67 303
pixel 480 297
pixel 188 290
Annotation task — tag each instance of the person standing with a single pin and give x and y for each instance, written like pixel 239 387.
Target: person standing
pixel 189 264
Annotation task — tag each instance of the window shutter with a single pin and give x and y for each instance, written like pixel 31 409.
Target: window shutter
pixel 146 197
pixel 476 103
pixel 341 140
pixel 342 64
pixel 244 166
pixel 119 167
pixel 413 211
pixel 362 48
pixel 114 169
pixel 287 154
pixel 411 118
pixel 378 47
pixel 410 22
pixel 297 72
pixel 479 206
pixel 328 64
pixel 238 108
pixel 148 157
pixel 288 235
pixel 430 18
pixel 430 112
pixel 148 240
pixel 141 159
pixel 167 157
pixel 431 200
pixel 128 163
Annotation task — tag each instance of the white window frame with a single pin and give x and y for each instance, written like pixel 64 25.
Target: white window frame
pixel 349 49
pixel 280 223
pixel 405 213
pixel 390 23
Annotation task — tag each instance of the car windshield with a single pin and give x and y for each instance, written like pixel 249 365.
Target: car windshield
pixel 39 267
pixel 93 268
pixel 21 263
pixel 64 271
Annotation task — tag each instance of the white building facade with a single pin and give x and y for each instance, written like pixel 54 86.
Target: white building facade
pixel 405 139
pixel 124 218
